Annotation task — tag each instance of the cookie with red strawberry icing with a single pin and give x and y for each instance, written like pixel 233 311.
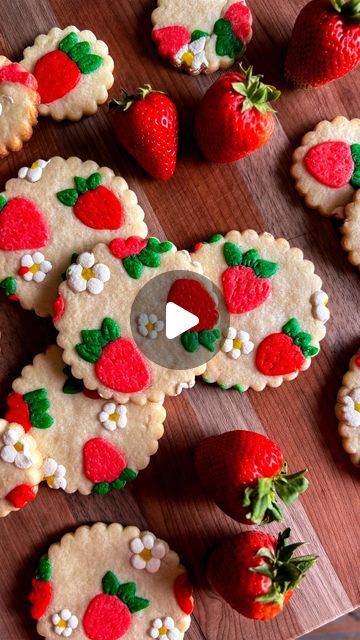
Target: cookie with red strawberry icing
pixel 351 230
pixel 88 444
pixel 20 467
pixel 277 309
pixel 326 167
pixel 203 36
pixel 110 582
pixel 73 71
pixel 52 210
pixel 19 101
pixel 348 410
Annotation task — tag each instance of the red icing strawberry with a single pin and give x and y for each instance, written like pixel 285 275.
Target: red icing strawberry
pixel 59 71
pixel 58 307
pixel 41 591
pixel 29 410
pixel 105 466
pixel 15 72
pixel 184 593
pixel 282 353
pixel 21 495
pixel 241 21
pixel 95 205
pixel 136 253
pixel 334 164
pixel 170 39
pixel 22 225
pixel 245 283
pixel 357 361
pixel 109 614
pixel 121 248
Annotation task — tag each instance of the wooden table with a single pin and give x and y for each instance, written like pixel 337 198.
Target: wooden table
pixel 201 199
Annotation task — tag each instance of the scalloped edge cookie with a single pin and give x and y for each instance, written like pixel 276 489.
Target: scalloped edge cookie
pixel 345 408
pixel 351 230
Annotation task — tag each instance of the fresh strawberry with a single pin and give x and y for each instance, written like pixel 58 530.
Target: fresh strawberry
pixel 234 117
pixel 245 283
pixel 146 124
pixel 41 591
pixel 109 614
pixel 21 495
pixel 136 253
pixel 105 465
pixel 256 572
pixel 325 43
pixel 118 362
pixel 94 205
pixel 59 71
pixel 29 410
pixel 22 225
pixel 334 163
pixel 242 472
pixel 282 353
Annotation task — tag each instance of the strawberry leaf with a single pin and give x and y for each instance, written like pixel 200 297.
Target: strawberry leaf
pixel 128 474
pixel 79 50
pixel 159 247
pixel 149 258
pixel 101 488
pixel 265 269
pixel 68 197
pixel 127 593
pixel 89 63
pixel 38 405
pixel 110 330
pixel 43 572
pixel 81 185
pixel 138 604
pixel 250 257
pixel 207 338
pixel 198 34
pixel 355 179
pixel 68 42
pixel 310 351
pixel 133 267
pixel 289 487
pixel 232 254
pixel 215 238
pixel 89 353
pixel 71 385
pixel 190 341
pixel 3 202
pixel 94 181
pixel 92 337
pixel 9 286
pixel 110 583
pixel 291 328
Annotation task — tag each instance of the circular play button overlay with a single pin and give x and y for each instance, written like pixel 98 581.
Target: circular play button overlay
pixel 179 320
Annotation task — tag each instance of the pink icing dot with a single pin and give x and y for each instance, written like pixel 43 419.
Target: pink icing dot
pixel 330 163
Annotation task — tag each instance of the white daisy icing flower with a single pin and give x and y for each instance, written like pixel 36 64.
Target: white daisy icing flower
pixel 148 552
pixel 319 301
pixel 54 474
pixel 193 54
pixel 33 173
pixel 113 416
pixel 149 325
pixel 64 623
pixel 350 409
pixel 34 267
pixel 237 343
pixel 16 448
pixel 86 275
pixel 165 629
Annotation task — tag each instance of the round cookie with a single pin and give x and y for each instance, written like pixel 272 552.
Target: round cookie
pixel 111 582
pixel 326 167
pixel 277 309
pixel 88 444
pixel 202 36
pixel 19 101
pixel 348 410
pixel 20 467
pixel 96 335
pixel 52 210
pixel 351 230
pixel 74 72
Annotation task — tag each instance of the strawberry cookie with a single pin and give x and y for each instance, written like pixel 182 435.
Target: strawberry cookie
pixel 326 167
pixel 19 101
pixel 203 36
pixel 88 444
pixel 73 70
pixel 277 309
pixel 348 410
pixel 351 230
pixel 98 336
pixel 52 210
pixel 107 582
pixel 20 467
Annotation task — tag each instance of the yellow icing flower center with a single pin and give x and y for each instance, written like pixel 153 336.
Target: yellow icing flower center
pixel 34 268
pixel 146 555
pixel 50 480
pixel 187 58
pixel 62 624
pixel 87 273
pixel 149 326
pixel 114 417
pixel 163 631
pixel 35 165
pixel 357 406
pixel 237 344
pixel 18 446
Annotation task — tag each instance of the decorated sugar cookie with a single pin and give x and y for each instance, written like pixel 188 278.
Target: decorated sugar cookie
pixel 109 582
pixel 277 309
pixel 201 36
pixel 52 210
pixel 19 101
pixel 73 70
pixel 348 411
pixel 351 230
pixel 20 467
pixel 88 444
pixel 326 167
pixel 95 327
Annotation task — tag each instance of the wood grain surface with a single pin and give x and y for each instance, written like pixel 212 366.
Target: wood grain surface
pixel 200 200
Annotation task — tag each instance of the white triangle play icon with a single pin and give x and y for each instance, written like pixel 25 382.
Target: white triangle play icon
pixel 178 320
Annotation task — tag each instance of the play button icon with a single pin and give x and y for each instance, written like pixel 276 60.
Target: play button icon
pixel 178 320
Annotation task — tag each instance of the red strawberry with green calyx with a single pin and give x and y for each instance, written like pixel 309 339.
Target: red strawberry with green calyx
pixel 136 253
pixel 41 591
pixel 109 614
pixel 245 283
pixel 21 495
pixel 94 205
pixel 22 225
pixel 256 573
pixel 191 295
pixel 119 364
pixel 59 71
pixel 282 353
pixel 105 465
pixel 29 410
pixel 334 163
pixel 244 472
